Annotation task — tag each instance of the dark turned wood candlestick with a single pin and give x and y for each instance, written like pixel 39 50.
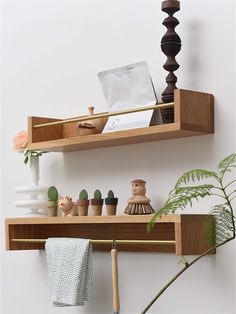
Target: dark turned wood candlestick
pixel 170 45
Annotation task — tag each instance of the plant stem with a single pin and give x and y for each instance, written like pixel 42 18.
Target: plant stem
pixel 229 184
pixel 188 265
pixel 232 198
pixel 218 195
pixel 231 193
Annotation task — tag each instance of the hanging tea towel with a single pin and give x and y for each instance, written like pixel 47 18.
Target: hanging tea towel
pixel 69 262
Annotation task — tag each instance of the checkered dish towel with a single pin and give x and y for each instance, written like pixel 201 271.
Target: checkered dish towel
pixel 69 262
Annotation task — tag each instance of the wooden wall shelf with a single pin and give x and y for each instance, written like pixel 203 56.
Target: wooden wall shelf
pixel 188 232
pixel 193 112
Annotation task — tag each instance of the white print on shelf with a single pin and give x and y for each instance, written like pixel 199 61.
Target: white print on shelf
pixel 125 88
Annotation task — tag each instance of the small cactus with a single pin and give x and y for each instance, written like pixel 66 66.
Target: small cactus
pixel 97 200
pixel 83 195
pixel 83 203
pixel 52 194
pixel 111 199
pixel 110 194
pixel 97 195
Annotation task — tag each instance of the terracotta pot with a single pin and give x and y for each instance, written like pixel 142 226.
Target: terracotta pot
pixel 83 207
pixel 96 206
pixel 111 210
pixel 97 210
pixel 95 201
pixel 111 205
pixel 52 208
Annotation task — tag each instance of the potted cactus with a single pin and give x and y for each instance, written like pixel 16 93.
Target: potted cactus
pixel 97 203
pixel 52 201
pixel 83 203
pixel 111 203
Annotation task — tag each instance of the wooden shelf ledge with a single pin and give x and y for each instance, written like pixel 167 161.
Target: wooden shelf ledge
pixel 193 115
pixel 188 232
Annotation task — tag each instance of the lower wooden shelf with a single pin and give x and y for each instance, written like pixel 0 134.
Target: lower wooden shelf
pixel 187 233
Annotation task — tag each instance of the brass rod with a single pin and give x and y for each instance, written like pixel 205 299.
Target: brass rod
pixel 104 115
pixel 153 242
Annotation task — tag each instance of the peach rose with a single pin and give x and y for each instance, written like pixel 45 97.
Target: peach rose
pixel 20 141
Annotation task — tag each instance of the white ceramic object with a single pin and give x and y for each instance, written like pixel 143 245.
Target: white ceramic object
pixel 33 204
pixel 32 189
pixel 37 201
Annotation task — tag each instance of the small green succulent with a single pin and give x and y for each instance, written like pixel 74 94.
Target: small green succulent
pixel 52 194
pixel 110 194
pixel 97 195
pixel 111 199
pixel 83 195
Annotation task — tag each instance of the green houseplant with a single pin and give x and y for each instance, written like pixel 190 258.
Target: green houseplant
pixel 186 191
pixel 97 203
pixel 111 203
pixel 83 203
pixel 52 201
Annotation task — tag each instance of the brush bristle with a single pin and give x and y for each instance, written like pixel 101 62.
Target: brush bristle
pixel 139 209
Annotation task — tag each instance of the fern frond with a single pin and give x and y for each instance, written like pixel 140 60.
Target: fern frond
pixel 180 198
pixel 195 175
pixel 227 164
pixel 183 261
pixel 223 223
pixel 210 231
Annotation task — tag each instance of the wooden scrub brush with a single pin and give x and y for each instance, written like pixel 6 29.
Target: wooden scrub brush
pixel 139 204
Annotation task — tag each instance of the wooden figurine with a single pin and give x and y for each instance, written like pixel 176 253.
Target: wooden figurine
pixel 93 126
pixel 97 203
pixel 139 204
pixel 170 45
pixel 83 203
pixel 111 203
pixel 52 201
pixel 67 206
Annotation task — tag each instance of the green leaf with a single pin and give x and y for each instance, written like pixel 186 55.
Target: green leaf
pixel 110 194
pixel 227 164
pixel 97 195
pixel 52 194
pixel 195 175
pixel 180 198
pixel 32 153
pixel 210 231
pixel 224 223
pixel 26 152
pixel 38 154
pixel 183 261
pixel 83 195
pixel 26 159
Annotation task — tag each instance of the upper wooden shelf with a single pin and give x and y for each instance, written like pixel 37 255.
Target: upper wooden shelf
pixel 193 115
pixel 187 232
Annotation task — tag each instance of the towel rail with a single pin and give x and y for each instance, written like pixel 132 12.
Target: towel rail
pixel 152 242
pixel 105 114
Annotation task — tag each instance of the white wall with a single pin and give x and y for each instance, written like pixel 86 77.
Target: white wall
pixel 51 53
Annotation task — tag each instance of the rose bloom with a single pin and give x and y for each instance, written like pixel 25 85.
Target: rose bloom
pixel 20 141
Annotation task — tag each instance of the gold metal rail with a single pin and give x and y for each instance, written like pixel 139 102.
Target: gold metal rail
pixel 104 115
pixel 152 242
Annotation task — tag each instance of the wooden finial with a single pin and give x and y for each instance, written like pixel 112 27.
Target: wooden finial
pixel 91 109
pixel 170 45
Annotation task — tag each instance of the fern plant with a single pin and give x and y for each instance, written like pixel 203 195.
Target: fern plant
pixel 186 191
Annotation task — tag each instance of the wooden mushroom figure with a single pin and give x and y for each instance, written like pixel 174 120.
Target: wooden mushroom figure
pixel 139 204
